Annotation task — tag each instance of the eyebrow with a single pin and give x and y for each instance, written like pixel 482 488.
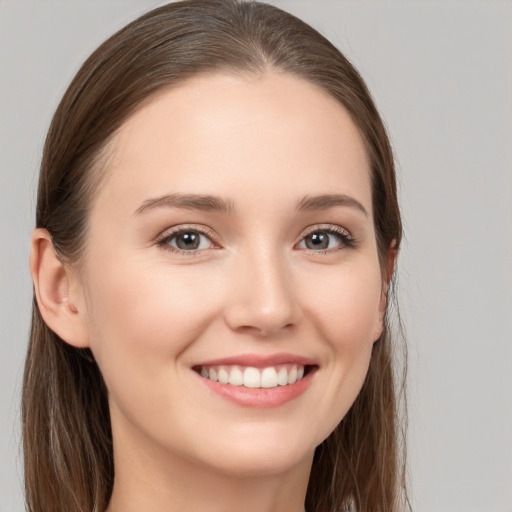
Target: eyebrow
pixel 326 201
pixel 206 203
pixel 211 203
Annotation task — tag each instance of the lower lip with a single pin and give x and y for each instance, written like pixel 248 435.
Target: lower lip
pixel 259 397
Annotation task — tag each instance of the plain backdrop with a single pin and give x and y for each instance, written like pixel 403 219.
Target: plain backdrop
pixel 441 74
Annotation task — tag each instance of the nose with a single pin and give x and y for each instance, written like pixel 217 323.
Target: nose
pixel 262 300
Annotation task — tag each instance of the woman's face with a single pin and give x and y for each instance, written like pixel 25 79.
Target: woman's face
pixel 233 239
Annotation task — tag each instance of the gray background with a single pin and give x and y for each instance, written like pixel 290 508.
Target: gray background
pixel 441 73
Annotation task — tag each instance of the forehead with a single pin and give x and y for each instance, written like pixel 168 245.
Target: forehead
pixel 214 133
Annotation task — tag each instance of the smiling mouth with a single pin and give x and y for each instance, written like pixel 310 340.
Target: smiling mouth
pixel 251 377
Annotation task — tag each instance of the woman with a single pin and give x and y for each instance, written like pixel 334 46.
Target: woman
pixel 217 227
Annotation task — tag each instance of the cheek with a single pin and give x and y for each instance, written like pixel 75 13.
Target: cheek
pixel 347 305
pixel 142 317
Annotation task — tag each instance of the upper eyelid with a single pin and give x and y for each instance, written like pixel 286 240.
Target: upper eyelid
pixel 183 228
pixel 170 233
pixel 325 227
pixel 215 239
pixel 344 236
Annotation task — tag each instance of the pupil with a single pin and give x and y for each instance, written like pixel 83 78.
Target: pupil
pixel 318 241
pixel 188 241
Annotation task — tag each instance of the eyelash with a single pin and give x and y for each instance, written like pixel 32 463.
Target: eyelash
pixel 347 241
pixel 168 236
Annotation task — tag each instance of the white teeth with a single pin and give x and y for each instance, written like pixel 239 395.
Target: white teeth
pixel 236 377
pixel 292 375
pixel 223 376
pixel 282 376
pixel 250 377
pixel 269 378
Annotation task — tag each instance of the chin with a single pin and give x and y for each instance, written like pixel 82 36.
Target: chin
pixel 263 463
pixel 260 454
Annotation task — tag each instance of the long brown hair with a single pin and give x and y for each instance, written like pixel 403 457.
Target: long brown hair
pixel 67 438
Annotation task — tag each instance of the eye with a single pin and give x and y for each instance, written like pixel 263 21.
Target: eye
pixel 186 240
pixel 326 239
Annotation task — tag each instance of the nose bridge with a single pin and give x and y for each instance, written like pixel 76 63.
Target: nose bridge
pixel 262 293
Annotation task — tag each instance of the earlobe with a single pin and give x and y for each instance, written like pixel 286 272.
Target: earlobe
pixel 379 328
pixel 387 275
pixel 57 297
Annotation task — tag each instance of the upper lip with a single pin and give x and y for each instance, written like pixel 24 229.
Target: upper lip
pixel 259 360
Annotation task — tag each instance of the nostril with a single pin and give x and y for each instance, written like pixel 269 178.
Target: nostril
pixel 260 308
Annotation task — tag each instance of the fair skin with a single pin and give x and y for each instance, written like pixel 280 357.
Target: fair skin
pixel 279 270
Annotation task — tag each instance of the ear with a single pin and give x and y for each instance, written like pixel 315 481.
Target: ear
pixel 387 274
pixel 58 292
